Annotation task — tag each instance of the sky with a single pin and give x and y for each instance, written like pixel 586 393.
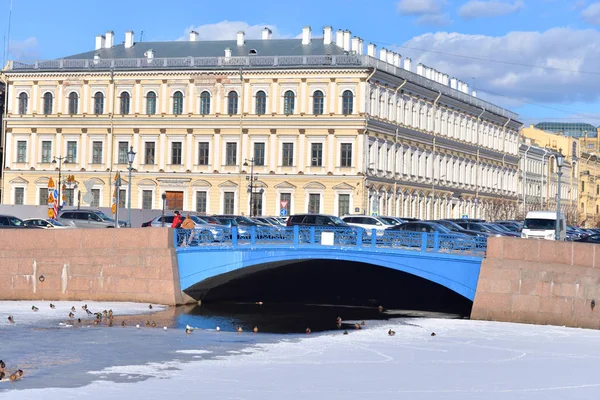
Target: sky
pixel 538 58
pixel 464 360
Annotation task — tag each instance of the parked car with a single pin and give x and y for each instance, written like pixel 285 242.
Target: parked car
pixel 10 222
pixel 88 219
pixel 450 240
pixel 542 225
pixel 594 238
pixel 455 228
pixel 203 231
pixel 477 227
pixel 367 222
pixel 316 220
pixel 47 223
pixel 392 220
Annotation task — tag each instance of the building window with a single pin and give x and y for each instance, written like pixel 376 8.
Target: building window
pixel 72 152
pixel 261 103
pixel 203 153
pixel 43 197
pixel 228 203
pixel 149 153
pixel 147 199
pixel 151 103
pixel 201 202
pixel 231 153
pixel 259 154
pixel 23 100
pixel 122 158
pixel 69 196
pixel 314 203
pixel 125 100
pixel 346 155
pixel 347 102
pixel 318 102
pixel 178 103
pixel 287 154
pixel 597 190
pixel 285 202
pixel 96 152
pixel 343 204
pixel 46 151
pixel 288 102
pixel 73 103
pixel 176 153
pixel 19 196
pixel 205 103
pixel 232 103
pixel 21 151
pixel 95 198
pixel 99 103
pixel 316 155
pixel 122 198
pixel 47 103
pixel 582 186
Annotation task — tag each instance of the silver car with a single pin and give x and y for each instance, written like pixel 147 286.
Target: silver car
pixel 88 219
pixel 202 231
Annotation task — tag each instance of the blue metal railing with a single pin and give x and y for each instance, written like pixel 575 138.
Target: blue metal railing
pixel 295 236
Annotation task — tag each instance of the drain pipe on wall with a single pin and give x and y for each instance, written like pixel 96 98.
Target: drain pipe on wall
pixel 433 157
pixel 396 150
pixel 477 164
pixel 366 147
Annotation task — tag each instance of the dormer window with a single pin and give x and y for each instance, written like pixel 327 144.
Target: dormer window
pixel 253 52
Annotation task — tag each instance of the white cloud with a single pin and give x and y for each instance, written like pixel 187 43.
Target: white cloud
pixel 591 14
pixel 434 19
pixel 488 8
pixel 564 51
pixel 227 30
pixel 23 49
pixel 420 7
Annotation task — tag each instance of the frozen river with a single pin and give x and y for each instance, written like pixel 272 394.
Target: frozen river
pixel 464 360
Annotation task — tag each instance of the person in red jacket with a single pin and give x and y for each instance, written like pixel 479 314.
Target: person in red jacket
pixel 177 220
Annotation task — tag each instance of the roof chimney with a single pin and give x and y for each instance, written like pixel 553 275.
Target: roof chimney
pixel 407 64
pixel 372 50
pixel 397 60
pixel 240 38
pixel 347 34
pixel 327 35
pixel 383 54
pixel 149 54
pixel 193 36
pixel 420 69
pixel 361 46
pixel 110 40
pixel 355 42
pixel 339 38
pixel 266 33
pixel 474 93
pixel 228 52
pixel 454 83
pixel 96 58
pixel 390 57
pixel 306 35
pixel 466 88
pixel 446 79
pixel 100 42
pixel 129 39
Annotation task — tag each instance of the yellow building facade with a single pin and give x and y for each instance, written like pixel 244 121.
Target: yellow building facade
pixel 301 125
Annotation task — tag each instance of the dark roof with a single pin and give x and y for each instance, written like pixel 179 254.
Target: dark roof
pixel 215 48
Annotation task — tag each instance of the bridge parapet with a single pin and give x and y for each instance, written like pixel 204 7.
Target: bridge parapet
pixel 356 238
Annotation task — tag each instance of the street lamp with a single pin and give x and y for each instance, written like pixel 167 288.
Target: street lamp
pixel 560 159
pixel 164 199
pixel 130 157
pixel 60 160
pixel 251 178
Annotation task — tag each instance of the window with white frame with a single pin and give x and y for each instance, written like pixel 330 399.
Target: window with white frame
pixel 176 153
pixel 147 199
pixel 97 152
pixel 346 155
pixel 46 151
pixel 228 203
pixel 19 196
pixel 21 151
pixel 72 151
pixel 122 158
pixel 201 201
pixel 287 154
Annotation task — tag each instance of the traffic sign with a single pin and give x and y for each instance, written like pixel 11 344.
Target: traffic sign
pixel 283 203
pixel 465 216
pixel 50 213
pixel 113 208
pixel 283 212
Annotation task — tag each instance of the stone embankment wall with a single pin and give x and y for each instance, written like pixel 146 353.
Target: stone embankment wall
pixel 539 282
pixel 138 265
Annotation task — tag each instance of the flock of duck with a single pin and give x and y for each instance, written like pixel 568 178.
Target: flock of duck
pixel 15 376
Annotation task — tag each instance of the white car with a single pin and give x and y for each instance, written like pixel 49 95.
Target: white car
pixel 47 223
pixel 367 222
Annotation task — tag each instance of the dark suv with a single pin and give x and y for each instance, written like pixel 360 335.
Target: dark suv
pixel 316 220
pixel 8 221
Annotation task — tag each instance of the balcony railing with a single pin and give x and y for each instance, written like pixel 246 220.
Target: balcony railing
pixel 252 62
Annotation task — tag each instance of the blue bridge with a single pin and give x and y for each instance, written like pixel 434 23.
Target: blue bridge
pixel 210 258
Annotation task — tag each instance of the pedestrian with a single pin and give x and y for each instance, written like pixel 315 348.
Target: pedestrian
pixel 177 220
pixel 188 224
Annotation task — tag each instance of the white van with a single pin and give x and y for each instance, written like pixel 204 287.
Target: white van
pixel 542 225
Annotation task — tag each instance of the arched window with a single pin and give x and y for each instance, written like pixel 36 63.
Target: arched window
pixel 23 100
pixel 288 102
pixel 178 103
pixel 347 102
pixel 205 103
pixel 151 103
pixel 125 100
pixel 261 103
pixel 73 103
pixel 48 103
pixel 318 102
pixel 232 102
pixel 99 103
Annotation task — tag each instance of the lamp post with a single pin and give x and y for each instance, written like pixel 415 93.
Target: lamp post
pixel 560 159
pixel 251 178
pixel 130 157
pixel 60 161
pixel 164 199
